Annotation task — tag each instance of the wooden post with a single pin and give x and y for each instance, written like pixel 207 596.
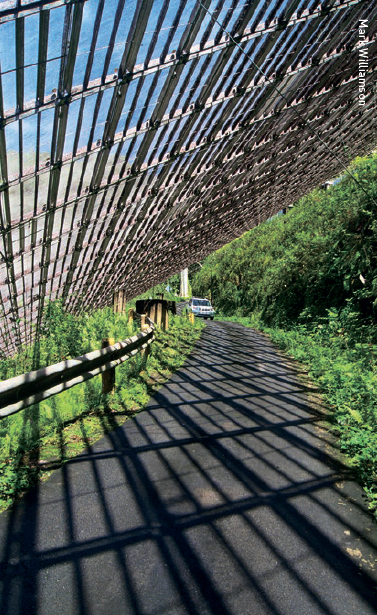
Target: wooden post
pixel 143 326
pixel 108 377
pixel 121 301
pixel 159 314
pixel 153 312
pixel 130 316
pixel 115 302
pixel 165 317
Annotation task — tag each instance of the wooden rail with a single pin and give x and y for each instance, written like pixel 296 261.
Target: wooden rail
pixel 22 391
pixel 144 140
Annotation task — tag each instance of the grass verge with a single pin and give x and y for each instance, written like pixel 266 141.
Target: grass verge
pixel 345 371
pixel 42 438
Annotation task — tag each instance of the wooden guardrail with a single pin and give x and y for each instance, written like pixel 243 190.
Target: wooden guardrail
pixel 22 391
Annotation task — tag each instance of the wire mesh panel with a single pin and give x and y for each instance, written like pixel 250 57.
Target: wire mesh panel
pixel 139 136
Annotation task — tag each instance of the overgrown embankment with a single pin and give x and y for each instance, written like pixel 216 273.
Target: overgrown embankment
pixel 309 279
pixel 42 437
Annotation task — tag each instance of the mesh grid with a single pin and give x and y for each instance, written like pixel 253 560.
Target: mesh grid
pixel 137 137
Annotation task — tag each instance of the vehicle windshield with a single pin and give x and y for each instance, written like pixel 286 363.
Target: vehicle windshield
pixel 201 302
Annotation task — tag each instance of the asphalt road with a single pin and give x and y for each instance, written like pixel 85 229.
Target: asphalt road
pixel 222 498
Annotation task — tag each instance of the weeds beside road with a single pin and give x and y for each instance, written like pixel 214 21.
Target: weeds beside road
pixel 41 438
pixel 345 370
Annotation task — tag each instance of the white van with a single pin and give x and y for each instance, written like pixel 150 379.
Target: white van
pixel 201 307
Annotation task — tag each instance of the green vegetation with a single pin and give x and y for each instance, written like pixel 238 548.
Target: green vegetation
pixel 309 279
pixel 41 438
pixel 174 285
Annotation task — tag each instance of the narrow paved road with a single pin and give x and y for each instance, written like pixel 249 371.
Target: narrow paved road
pixel 222 498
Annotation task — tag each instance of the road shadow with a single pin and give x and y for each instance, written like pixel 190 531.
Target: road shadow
pixel 224 497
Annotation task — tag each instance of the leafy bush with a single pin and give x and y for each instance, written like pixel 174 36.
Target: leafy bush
pixel 346 371
pixel 309 279
pixel 61 426
pixel 347 375
pixel 323 252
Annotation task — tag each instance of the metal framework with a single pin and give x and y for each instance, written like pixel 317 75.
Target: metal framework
pixel 138 136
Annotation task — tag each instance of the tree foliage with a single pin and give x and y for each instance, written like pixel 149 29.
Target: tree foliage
pixel 309 280
pixel 318 256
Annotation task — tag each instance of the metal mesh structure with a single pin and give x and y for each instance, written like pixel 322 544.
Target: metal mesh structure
pixel 138 136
